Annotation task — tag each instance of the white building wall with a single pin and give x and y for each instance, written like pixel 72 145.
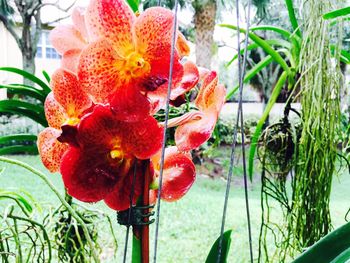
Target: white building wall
pixel 10 56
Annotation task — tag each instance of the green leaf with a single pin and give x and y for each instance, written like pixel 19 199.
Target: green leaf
pixel 32 149
pixel 296 40
pixel 343 257
pixel 25 90
pixel 47 76
pixel 17 198
pixel 255 138
pixel 272 42
pixel 35 112
pixel 334 247
pixel 134 4
pixel 265 46
pixel 337 13
pixel 17 137
pixel 29 76
pixel 250 74
pixel 292 17
pixel 213 254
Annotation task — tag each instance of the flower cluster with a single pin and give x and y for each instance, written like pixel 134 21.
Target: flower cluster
pixel 113 79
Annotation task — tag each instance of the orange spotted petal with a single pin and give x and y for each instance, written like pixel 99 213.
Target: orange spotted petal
pixel 128 104
pixel 51 150
pixel 211 95
pixel 160 70
pixel 68 92
pixel 54 112
pixel 70 60
pixel 144 139
pixel 179 174
pixel 153 32
pixel 194 133
pixel 102 129
pixel 98 70
pixel 189 80
pixel 182 45
pixel 66 37
pixel 112 19
pixel 78 17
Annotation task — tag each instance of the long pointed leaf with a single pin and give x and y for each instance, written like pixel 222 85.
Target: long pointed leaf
pixel 32 149
pixel 334 245
pixel 250 74
pixel 265 46
pixel 213 254
pixel 293 18
pixel 12 103
pixel 29 76
pixel 47 76
pixel 34 112
pixel 272 42
pixel 296 40
pixel 134 4
pixel 337 13
pixel 255 138
pixel 24 90
pixel 17 137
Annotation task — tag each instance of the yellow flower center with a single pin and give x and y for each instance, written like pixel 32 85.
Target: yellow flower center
pixel 72 121
pixel 117 153
pixel 136 66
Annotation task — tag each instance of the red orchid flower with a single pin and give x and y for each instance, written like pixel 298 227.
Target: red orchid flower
pixel 196 127
pixel 63 106
pixel 70 40
pixel 178 174
pixel 130 54
pixel 97 164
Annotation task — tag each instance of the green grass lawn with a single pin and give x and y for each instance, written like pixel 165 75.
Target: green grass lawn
pixel 187 227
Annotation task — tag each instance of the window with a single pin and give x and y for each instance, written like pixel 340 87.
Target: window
pixel 45 49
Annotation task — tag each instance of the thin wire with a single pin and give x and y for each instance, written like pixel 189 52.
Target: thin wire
pixel 242 136
pixel 241 73
pixel 129 214
pixel 165 129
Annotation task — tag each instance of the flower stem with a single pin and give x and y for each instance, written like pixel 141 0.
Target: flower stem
pixel 145 202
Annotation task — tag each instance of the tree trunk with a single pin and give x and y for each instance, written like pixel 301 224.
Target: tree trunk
pixel 28 47
pixel 204 20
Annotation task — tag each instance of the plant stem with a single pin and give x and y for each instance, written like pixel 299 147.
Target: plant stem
pixel 62 199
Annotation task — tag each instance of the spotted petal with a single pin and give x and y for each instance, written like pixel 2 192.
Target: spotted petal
pixel 153 32
pixel 194 133
pixel 54 112
pixel 189 80
pixel 112 19
pixel 88 176
pixel 102 129
pixel 211 95
pixel 70 60
pixel 128 104
pixel 78 17
pixel 119 198
pixel 66 37
pixel 182 45
pixel 51 150
pixel 98 70
pixel 68 92
pixel 178 174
